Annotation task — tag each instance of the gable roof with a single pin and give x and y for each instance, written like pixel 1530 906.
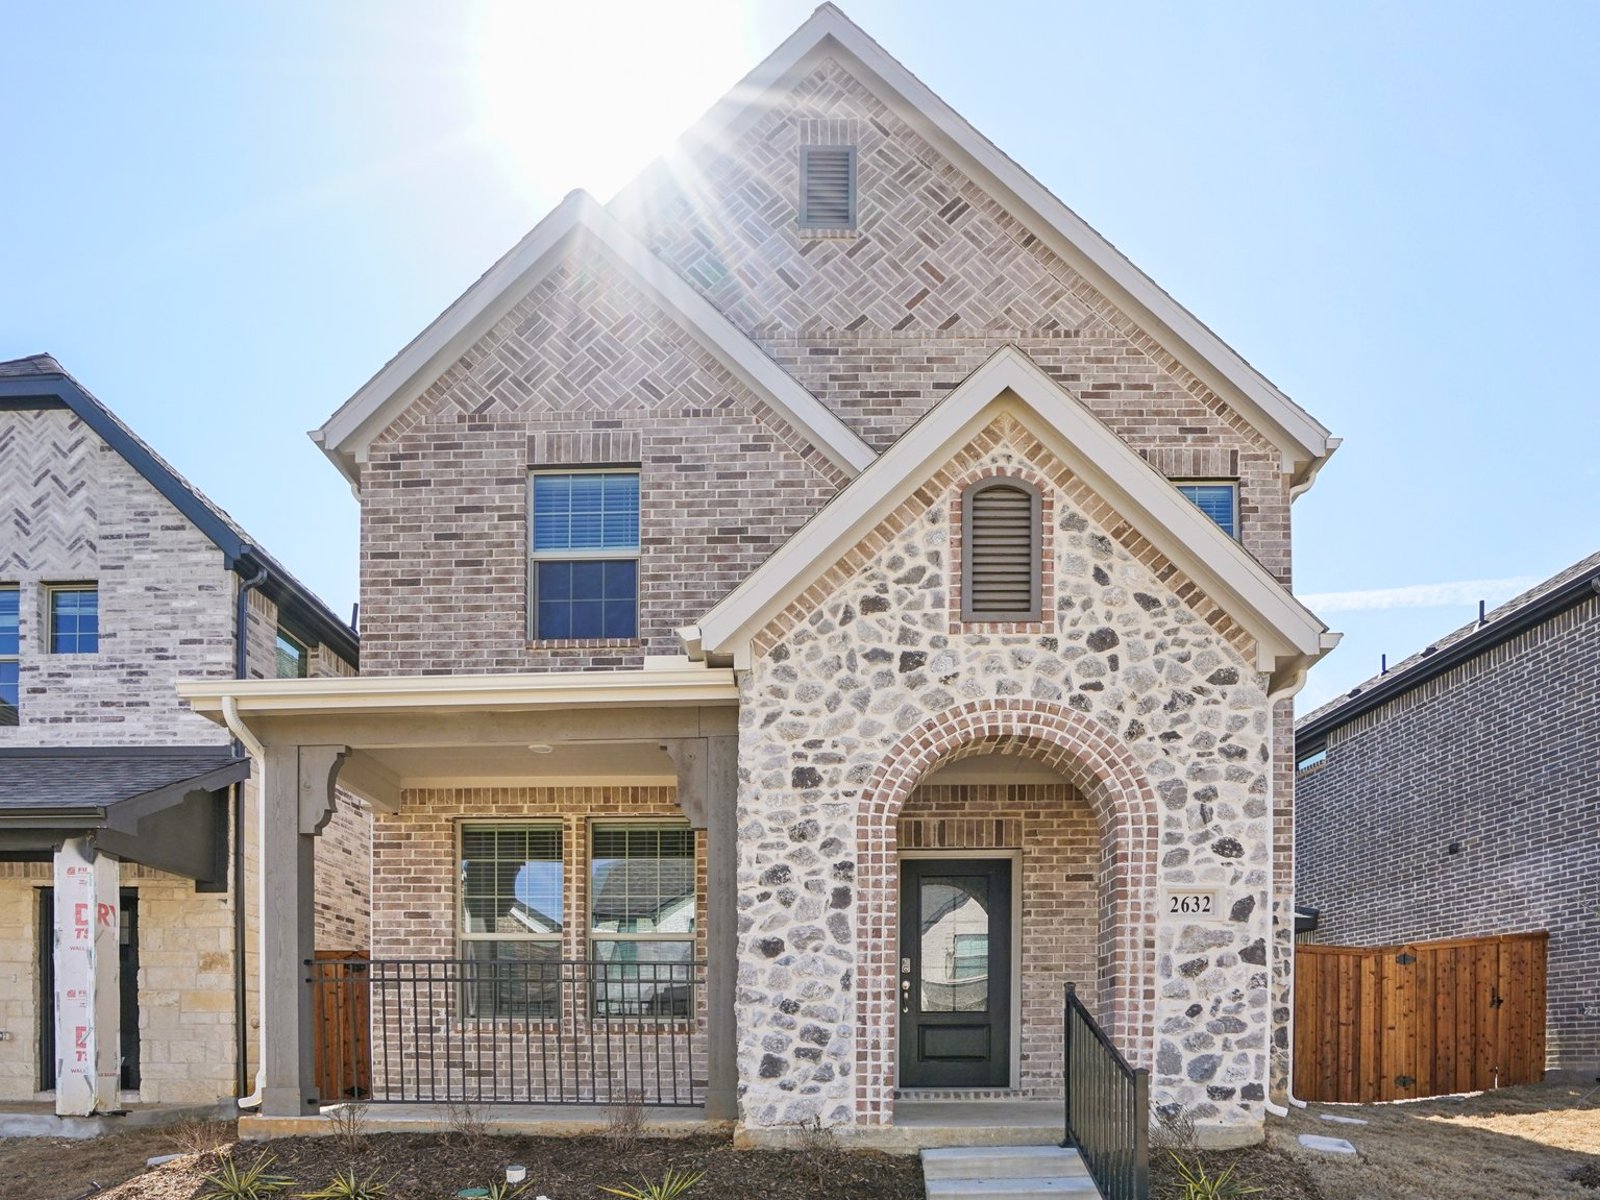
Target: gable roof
pixel 1289 637
pixel 39 381
pixel 1303 441
pixel 347 434
pixel 1566 589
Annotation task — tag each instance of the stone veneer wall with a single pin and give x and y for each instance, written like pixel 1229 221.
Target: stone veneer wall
pixel 1056 886
pixel 1496 758
pixel 863 686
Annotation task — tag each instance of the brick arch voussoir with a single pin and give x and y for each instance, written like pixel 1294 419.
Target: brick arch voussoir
pixel 1103 769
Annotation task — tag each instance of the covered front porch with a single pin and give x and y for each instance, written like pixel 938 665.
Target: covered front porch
pixel 554 905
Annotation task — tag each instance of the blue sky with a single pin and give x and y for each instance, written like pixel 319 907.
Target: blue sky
pixel 224 218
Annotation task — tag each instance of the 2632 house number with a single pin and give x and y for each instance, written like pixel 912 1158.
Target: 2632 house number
pixel 1197 904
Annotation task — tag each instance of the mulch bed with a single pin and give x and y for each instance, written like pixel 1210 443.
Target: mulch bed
pixel 1274 1176
pixel 437 1166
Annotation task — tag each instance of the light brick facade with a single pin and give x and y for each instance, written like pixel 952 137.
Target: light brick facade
pixel 75 510
pixel 1469 806
pixel 1138 688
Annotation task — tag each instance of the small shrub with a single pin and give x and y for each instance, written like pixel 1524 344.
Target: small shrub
pixel 349 1122
pixel 200 1137
pixel 819 1150
pixel 1173 1128
pixel 348 1187
pixel 467 1122
pixel 673 1184
pixel 1200 1184
pixel 625 1122
pixel 232 1182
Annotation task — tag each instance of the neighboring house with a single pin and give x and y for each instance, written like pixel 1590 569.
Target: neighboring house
pixel 120 811
pixel 1458 795
pixel 708 531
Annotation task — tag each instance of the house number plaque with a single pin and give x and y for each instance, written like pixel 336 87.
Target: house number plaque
pixel 1192 904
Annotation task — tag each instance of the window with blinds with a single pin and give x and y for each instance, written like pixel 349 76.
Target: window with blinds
pixel 584 555
pixel 642 900
pixel 1000 531
pixel 1219 501
pixel 511 919
pixel 827 187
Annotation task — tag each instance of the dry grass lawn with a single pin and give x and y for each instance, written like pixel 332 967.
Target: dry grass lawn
pixel 1537 1141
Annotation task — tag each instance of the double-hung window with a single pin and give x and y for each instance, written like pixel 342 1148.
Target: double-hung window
pixel 642 919
pixel 1219 501
pixel 512 894
pixel 584 557
pixel 10 647
pixel 75 619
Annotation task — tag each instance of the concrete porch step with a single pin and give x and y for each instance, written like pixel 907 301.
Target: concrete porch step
pixel 1006 1172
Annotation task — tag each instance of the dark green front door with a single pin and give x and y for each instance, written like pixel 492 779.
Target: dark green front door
pixel 955 972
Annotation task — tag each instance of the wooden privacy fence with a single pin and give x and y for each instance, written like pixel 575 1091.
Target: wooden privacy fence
pixel 341 1018
pixel 1422 1019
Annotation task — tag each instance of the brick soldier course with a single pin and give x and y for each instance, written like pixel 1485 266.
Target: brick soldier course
pixel 1456 796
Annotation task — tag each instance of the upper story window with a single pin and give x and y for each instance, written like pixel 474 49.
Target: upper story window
pixel 827 187
pixel 584 557
pixel 75 619
pixel 294 657
pixel 1001 538
pixel 10 647
pixel 1311 759
pixel 1218 500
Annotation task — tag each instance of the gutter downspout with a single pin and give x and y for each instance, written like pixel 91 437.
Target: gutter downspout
pixel 244 737
pixel 1287 692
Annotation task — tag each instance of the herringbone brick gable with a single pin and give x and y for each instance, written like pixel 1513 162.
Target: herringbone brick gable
pixel 47 506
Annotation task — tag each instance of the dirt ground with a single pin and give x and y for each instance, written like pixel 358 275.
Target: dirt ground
pixel 432 1167
pixel 1258 1167
pixel 1537 1141
pixel 58 1168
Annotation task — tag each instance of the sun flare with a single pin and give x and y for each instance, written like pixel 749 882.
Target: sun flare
pixel 587 95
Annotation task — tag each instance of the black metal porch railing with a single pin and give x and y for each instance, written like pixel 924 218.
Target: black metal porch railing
pixel 510 1031
pixel 1108 1107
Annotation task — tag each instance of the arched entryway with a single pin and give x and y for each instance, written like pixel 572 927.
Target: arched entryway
pixel 1103 772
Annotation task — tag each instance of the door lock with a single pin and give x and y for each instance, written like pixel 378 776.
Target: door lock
pixel 905 966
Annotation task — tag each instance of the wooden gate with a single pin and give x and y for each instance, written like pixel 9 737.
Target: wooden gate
pixel 341 1020
pixel 1422 1019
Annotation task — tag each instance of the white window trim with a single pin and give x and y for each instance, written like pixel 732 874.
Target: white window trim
pixel 535 557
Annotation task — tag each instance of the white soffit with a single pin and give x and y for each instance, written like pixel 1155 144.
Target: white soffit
pixel 347 434
pixel 1284 628
pixel 1302 440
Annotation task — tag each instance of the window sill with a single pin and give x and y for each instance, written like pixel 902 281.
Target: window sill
pixel 585 644
pixel 826 233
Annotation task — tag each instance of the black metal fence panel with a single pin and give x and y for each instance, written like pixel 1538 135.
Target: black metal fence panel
pixel 512 1031
pixel 1107 1107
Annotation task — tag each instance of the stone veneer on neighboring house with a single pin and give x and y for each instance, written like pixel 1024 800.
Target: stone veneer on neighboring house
pixel 852 700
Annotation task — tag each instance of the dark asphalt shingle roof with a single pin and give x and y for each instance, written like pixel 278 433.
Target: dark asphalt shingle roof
pixel 1396 681
pixel 92 778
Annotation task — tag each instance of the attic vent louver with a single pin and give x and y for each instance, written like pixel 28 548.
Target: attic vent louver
pixel 1001 522
pixel 828 187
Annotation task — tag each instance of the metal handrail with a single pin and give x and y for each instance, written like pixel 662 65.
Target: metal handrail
pixel 1107 1106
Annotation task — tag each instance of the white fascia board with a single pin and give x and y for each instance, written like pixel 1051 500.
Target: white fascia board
pixel 696 685
pixel 347 434
pixel 1301 439
pixel 1178 529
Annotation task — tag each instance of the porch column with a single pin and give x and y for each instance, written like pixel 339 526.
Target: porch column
pixel 88 1000
pixel 297 801
pixel 708 793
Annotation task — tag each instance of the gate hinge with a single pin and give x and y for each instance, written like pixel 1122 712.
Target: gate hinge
pixel 1403 1081
pixel 1405 960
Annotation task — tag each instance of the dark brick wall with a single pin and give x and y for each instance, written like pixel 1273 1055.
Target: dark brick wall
pixel 1500 757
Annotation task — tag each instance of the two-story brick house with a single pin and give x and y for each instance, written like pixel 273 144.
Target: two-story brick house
pixel 815 606
pixel 128 825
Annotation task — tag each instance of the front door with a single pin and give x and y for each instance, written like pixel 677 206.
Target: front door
pixel 955 972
